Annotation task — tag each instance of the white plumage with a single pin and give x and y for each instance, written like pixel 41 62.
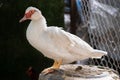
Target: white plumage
pixel 54 42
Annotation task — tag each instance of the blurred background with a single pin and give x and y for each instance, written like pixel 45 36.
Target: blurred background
pixel 95 21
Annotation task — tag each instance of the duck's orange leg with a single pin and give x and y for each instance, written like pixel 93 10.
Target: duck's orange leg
pixel 56 65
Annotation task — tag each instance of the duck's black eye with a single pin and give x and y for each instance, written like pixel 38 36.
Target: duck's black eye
pixel 32 11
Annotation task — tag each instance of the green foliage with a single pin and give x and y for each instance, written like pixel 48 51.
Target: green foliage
pixel 53 13
pixel 16 54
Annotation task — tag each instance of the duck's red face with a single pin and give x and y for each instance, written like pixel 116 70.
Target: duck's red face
pixel 27 15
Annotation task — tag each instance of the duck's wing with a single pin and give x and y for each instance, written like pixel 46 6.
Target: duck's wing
pixel 67 40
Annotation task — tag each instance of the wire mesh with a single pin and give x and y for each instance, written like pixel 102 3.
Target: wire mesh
pixel 102 19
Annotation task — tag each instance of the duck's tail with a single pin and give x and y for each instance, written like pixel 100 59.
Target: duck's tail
pixel 98 53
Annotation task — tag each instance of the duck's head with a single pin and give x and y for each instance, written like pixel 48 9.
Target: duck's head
pixel 31 13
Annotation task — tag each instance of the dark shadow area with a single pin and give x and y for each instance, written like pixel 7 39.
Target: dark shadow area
pixel 16 54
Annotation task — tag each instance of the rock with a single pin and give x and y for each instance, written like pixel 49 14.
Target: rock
pixel 80 72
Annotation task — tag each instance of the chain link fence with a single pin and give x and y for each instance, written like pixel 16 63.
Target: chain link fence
pixel 101 19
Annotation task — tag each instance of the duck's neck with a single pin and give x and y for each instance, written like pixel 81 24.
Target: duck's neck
pixel 40 24
pixel 34 30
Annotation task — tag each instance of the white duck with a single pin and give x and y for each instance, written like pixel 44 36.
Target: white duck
pixel 59 45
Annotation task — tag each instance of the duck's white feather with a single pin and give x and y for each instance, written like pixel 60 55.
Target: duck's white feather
pixel 56 43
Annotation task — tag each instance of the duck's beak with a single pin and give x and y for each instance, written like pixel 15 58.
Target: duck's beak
pixel 23 19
